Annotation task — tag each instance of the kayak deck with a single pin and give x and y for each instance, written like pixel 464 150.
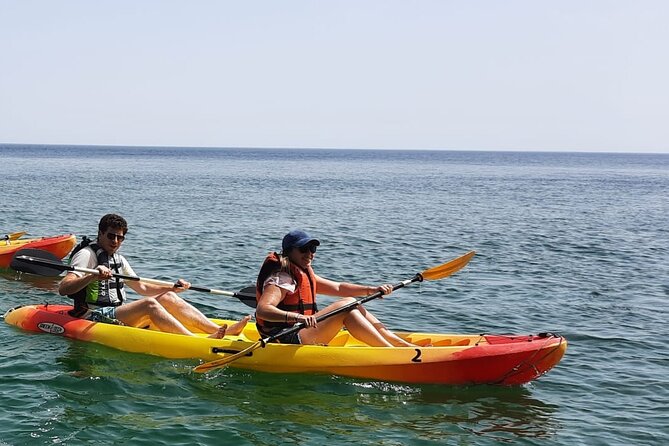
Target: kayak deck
pixel 440 359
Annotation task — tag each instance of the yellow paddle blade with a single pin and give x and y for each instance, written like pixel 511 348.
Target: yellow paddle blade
pixel 16 235
pixel 218 363
pixel 448 268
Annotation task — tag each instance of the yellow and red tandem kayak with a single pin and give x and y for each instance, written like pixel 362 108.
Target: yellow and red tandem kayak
pixel 449 359
pixel 59 245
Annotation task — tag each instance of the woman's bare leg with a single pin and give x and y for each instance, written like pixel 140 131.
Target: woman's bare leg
pixel 359 326
pixel 387 334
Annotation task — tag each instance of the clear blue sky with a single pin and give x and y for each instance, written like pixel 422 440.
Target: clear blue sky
pixel 515 75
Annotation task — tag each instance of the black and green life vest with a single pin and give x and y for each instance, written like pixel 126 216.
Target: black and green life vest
pixel 99 293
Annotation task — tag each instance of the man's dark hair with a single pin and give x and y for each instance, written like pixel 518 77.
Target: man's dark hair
pixel 113 221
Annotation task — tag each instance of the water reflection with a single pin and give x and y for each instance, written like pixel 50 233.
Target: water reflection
pixel 502 413
pixel 94 361
pixel 32 281
pixel 322 405
pixel 412 412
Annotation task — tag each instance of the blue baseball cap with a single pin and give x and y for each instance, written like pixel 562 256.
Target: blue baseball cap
pixel 297 239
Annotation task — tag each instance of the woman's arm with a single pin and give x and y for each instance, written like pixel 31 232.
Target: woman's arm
pixel 267 305
pixel 345 289
pixel 267 308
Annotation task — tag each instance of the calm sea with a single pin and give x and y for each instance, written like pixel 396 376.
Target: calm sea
pixel 572 243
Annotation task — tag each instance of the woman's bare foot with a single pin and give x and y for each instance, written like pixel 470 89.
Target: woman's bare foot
pixel 238 327
pixel 403 343
pixel 219 333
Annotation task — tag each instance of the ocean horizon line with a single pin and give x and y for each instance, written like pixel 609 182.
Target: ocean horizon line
pixel 376 149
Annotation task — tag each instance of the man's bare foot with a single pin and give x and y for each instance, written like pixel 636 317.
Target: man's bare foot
pixel 219 333
pixel 238 327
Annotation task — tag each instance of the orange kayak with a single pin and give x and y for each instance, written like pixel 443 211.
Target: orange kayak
pixel 59 245
pixel 449 359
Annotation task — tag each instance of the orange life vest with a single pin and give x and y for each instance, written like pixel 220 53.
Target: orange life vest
pixel 302 300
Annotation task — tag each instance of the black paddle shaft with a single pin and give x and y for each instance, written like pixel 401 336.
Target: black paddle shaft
pixel 43 263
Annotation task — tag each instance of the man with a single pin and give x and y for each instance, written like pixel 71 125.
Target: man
pixel 102 297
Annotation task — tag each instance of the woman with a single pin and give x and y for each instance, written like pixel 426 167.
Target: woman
pixel 286 294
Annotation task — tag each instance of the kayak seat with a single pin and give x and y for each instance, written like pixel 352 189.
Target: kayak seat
pixel 449 342
pixel 340 340
pixel 425 342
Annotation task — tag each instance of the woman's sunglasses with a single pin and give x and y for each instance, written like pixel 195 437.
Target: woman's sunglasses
pixel 308 248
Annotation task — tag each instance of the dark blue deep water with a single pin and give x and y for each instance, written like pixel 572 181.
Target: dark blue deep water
pixel 573 243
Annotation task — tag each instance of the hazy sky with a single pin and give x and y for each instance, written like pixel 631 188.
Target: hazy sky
pixel 514 75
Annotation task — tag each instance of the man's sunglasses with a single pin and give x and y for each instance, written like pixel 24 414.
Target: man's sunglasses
pixel 308 248
pixel 111 236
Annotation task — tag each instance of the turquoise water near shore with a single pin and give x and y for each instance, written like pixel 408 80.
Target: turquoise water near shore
pixel 572 243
